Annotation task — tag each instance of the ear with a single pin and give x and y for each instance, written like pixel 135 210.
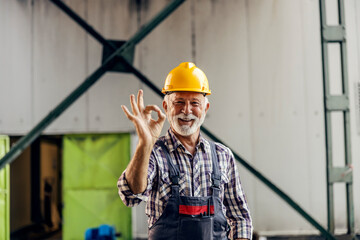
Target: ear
pixel 207 107
pixel 165 106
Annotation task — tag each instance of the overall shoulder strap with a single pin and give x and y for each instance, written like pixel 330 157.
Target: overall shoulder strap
pixel 173 169
pixel 216 177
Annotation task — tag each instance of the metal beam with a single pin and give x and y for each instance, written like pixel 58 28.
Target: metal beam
pixel 97 36
pixel 337 103
pixel 25 141
pixel 276 189
pixel 83 23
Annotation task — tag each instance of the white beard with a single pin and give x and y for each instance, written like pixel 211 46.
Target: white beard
pixel 185 130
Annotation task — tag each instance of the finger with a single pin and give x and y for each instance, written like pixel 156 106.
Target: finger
pixel 127 112
pixel 161 115
pixel 134 106
pixel 150 108
pixel 140 100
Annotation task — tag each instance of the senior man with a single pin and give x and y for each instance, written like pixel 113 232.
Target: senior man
pixel 190 184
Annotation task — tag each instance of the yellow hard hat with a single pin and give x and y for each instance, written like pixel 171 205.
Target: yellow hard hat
pixel 186 78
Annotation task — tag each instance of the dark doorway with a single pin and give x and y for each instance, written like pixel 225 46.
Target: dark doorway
pixel 35 190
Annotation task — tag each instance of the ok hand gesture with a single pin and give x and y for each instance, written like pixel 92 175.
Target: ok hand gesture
pixel 147 128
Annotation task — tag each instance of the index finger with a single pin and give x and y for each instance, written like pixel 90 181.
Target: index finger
pixel 155 108
pixel 127 112
pixel 140 100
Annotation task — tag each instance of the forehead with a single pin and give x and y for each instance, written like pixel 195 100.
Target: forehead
pixel 186 95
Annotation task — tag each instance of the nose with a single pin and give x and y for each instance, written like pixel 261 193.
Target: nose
pixel 187 109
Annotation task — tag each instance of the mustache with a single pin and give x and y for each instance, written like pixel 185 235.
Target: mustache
pixel 186 117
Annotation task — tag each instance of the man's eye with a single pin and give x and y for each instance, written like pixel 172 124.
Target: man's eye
pixel 195 103
pixel 179 102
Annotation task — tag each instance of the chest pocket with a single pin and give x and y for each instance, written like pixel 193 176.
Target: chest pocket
pixel 165 184
pixel 224 178
pixel 223 181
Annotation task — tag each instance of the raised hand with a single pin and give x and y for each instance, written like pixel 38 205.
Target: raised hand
pixel 147 128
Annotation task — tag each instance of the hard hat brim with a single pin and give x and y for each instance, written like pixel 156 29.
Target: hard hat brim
pixel 164 91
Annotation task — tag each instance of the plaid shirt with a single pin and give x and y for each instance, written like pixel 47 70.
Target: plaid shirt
pixel 195 180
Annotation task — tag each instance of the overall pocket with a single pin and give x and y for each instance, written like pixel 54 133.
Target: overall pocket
pixel 195 228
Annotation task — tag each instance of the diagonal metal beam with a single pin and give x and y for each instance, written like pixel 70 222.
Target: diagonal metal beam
pixel 82 23
pixel 145 80
pixel 90 30
pixel 25 141
pixel 111 60
pixel 276 189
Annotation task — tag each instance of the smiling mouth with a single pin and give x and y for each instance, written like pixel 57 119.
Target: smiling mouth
pixel 186 120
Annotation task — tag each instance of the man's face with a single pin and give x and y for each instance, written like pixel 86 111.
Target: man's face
pixel 185 111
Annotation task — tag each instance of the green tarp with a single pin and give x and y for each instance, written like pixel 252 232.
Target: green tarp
pixel 4 191
pixel 92 165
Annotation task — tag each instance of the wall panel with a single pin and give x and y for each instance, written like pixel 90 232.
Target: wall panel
pixel 279 104
pixel 115 20
pixel 15 67
pixel 59 54
pixel 315 164
pixel 352 21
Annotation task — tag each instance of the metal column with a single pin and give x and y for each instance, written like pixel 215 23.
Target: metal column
pixel 337 103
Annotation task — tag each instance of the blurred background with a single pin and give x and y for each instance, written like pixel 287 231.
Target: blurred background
pixel 285 82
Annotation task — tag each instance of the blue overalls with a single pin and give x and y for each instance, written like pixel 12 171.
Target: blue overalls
pixel 185 217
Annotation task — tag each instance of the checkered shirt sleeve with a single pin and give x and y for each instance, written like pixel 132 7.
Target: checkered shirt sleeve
pixel 127 196
pixel 237 211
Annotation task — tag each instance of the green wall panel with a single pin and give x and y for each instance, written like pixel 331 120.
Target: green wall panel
pixel 92 165
pixel 91 208
pixel 4 191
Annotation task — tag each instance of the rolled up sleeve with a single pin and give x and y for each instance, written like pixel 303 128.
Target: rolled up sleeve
pixel 127 196
pixel 237 210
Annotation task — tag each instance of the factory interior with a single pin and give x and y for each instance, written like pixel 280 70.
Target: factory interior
pixel 285 98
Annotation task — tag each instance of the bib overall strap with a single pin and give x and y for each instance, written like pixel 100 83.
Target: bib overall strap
pixel 215 176
pixel 174 170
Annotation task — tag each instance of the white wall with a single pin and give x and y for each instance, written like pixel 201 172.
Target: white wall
pixel 352 11
pixel 263 61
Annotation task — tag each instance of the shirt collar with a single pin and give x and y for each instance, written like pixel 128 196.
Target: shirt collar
pixel 172 142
